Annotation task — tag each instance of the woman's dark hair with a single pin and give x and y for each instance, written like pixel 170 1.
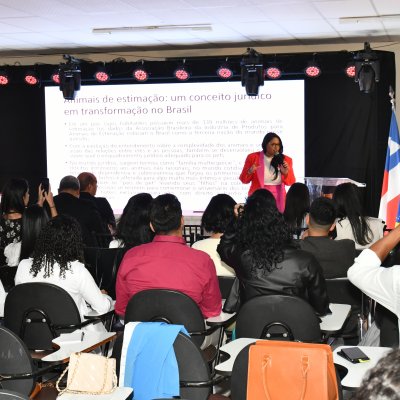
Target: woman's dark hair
pixel 60 241
pixel 382 381
pixel 262 231
pixel 348 205
pixel 274 162
pixel 297 204
pixel 218 214
pixel 12 197
pixel 33 220
pixel 133 227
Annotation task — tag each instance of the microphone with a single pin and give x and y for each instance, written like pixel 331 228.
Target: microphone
pixel 279 158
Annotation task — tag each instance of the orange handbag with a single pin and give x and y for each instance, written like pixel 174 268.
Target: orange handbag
pixel 291 371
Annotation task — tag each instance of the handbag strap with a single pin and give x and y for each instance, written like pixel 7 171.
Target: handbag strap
pixel 266 363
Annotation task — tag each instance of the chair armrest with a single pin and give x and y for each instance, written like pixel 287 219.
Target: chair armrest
pixel 95 315
pixel 223 319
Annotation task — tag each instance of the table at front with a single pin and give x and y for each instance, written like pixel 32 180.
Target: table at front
pixel 356 372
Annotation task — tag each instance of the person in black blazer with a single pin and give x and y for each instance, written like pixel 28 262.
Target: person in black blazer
pixel 68 202
pixel 88 188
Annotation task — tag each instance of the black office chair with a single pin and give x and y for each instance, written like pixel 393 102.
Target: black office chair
pixel 195 377
pixel 103 264
pixel 7 276
pixel 168 306
pixel 192 233
pixel 278 317
pixel 18 372
pixel 39 312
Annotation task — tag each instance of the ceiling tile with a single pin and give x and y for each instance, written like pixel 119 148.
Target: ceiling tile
pixel 345 8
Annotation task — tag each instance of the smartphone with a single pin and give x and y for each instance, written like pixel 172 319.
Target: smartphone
pixel 354 355
pixel 45 184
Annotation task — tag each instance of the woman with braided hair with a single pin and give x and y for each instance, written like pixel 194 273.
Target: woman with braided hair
pixel 261 251
pixel 58 259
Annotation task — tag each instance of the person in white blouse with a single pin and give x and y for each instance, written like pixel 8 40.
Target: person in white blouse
pixel 58 259
pixel 218 214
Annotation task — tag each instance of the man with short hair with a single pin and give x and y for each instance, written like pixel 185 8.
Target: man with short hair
pixel 88 189
pixel 168 263
pixel 334 256
pixel 68 202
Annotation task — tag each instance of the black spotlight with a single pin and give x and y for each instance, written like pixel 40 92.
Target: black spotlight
pixel 252 72
pixel 70 77
pixel 367 69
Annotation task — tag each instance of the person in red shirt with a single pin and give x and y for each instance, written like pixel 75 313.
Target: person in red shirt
pixel 269 169
pixel 168 263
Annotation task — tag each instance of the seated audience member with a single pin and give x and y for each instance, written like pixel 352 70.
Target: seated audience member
pixel 14 199
pixel 218 214
pixel 334 256
pixel 297 206
pixel 133 227
pixel 261 251
pixel 67 202
pixel 57 259
pixel 382 381
pixel 88 189
pixel 379 283
pixel 34 219
pixel 351 223
pixel 168 263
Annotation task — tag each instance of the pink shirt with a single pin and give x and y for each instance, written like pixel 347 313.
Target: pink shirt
pixel 168 263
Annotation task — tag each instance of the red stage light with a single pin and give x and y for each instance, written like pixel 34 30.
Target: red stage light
pixel 140 74
pixel 313 71
pixel 273 73
pixel 31 78
pixel 102 76
pixel 3 79
pixel 224 72
pixel 181 74
pixel 351 70
pixel 55 77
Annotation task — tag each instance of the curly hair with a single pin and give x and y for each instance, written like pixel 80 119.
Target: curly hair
pixel 60 241
pixel 383 381
pixel 262 231
pixel 133 227
pixel 274 162
pixel 12 198
pixel 348 205
pixel 218 214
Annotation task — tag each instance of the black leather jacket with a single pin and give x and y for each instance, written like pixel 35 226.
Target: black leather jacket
pixel 298 275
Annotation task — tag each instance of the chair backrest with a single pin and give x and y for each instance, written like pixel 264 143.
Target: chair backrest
pixel 103 264
pixel 278 317
pixel 7 275
pixel 191 364
pixel 15 359
pixel 342 291
pixel 225 285
pixel 169 306
pixel 37 312
pixel 192 233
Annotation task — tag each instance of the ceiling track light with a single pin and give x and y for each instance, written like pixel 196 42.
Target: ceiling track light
pixel 140 74
pixel 225 71
pixel 350 69
pixel 367 69
pixel 70 77
pixel 313 70
pixel 273 71
pixel 252 72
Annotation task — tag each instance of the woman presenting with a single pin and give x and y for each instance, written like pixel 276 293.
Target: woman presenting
pixel 269 169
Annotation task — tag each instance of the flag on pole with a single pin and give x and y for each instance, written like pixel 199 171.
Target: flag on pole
pixel 389 206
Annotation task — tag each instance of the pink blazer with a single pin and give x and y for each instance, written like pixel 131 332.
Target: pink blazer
pixel 257 178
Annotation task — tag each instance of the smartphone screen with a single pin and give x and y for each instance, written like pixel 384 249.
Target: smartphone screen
pixel 45 184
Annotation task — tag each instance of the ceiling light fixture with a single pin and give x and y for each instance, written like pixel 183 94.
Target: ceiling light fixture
pixel 101 75
pixel 367 69
pixel 70 77
pixel 31 78
pixel 4 80
pixel 181 73
pixel 224 71
pixel 184 27
pixel 252 72
pixel 313 70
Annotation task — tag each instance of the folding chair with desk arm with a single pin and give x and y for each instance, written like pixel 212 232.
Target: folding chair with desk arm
pixel 39 312
pixel 176 308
